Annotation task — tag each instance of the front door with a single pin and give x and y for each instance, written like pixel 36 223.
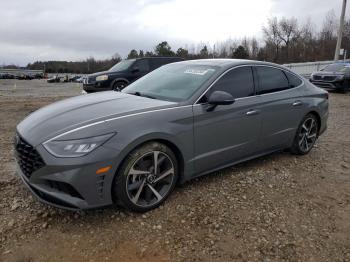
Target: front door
pixel 230 132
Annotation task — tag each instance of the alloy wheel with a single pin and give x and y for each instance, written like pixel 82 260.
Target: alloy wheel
pixel 150 179
pixel 308 134
pixel 118 87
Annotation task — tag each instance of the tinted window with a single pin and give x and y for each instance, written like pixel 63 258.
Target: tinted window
pixel 122 65
pixel 293 80
pixel 238 82
pixel 271 80
pixel 142 65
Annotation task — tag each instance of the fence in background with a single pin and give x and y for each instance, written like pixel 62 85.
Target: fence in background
pixel 307 68
pixel 21 71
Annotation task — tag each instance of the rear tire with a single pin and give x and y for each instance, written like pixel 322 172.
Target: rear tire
pixel 146 178
pixel 306 135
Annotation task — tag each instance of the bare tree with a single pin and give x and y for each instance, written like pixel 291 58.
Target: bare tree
pixel 288 32
pixel 272 36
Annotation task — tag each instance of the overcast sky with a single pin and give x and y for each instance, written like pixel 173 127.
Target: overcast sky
pixel 76 29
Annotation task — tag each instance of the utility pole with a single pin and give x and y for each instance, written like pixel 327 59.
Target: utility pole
pixel 340 31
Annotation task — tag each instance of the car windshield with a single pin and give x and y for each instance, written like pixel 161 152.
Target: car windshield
pixel 337 68
pixel 122 65
pixel 172 82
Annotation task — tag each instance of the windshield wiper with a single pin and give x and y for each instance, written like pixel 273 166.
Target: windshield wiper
pixel 137 93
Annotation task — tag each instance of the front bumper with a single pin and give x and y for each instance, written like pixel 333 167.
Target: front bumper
pixel 66 184
pixel 97 87
pixel 328 84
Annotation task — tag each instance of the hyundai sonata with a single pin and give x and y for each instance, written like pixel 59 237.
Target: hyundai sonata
pixel 181 121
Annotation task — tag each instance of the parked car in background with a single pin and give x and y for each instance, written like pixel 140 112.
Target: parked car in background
pixel 334 76
pixel 74 78
pixel 54 79
pixel 124 73
pixel 80 79
pixel 178 122
pixel 7 76
pixel 25 77
pixel 38 76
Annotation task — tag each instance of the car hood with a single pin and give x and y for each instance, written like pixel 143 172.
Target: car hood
pixel 105 73
pixel 328 73
pixel 71 113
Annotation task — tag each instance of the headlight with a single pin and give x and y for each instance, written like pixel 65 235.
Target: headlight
pixel 340 77
pixel 102 78
pixel 75 148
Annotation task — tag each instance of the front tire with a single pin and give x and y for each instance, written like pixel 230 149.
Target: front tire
pixel 306 135
pixel 119 86
pixel 146 178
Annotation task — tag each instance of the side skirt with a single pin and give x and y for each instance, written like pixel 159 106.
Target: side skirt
pixel 185 179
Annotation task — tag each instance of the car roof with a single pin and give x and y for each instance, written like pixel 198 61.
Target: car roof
pixel 159 57
pixel 226 63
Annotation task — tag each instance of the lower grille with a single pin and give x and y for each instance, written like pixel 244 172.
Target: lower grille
pixel 64 187
pixel 325 78
pixel 28 158
pixel 329 78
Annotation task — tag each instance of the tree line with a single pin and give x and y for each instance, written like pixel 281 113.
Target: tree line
pixel 284 40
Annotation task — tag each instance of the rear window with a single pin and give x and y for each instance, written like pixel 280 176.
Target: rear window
pixel 271 80
pixel 293 80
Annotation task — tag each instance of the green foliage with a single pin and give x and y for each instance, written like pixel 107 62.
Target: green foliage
pixel 182 52
pixel 163 49
pixel 149 54
pixel 133 54
pixel 204 53
pixel 240 52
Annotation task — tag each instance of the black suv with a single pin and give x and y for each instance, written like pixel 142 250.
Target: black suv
pixel 334 76
pixel 124 73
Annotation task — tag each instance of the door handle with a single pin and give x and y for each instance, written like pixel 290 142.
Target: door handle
pixel 252 112
pixel 297 103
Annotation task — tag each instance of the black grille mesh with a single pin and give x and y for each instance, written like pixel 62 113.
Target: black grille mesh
pixel 28 158
pixel 325 78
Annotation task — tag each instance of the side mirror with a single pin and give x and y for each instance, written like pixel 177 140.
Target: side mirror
pixel 219 98
pixel 135 70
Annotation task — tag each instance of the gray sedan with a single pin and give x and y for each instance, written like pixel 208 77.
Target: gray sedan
pixel 181 121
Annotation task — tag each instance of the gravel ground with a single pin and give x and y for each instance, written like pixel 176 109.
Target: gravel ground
pixel 275 208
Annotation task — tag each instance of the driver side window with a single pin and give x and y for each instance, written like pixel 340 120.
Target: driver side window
pixel 238 82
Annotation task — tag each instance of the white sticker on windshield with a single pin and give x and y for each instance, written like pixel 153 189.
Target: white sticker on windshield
pixel 196 71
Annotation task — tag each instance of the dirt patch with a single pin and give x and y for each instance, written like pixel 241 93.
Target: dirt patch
pixel 278 207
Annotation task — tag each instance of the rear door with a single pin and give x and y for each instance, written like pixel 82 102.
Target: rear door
pixel 282 106
pixel 140 68
pixel 229 132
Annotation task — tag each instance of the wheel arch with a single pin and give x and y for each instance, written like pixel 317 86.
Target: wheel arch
pixel 148 139
pixel 120 79
pixel 318 117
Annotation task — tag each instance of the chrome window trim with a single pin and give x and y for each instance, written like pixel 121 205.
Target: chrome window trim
pixel 253 65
